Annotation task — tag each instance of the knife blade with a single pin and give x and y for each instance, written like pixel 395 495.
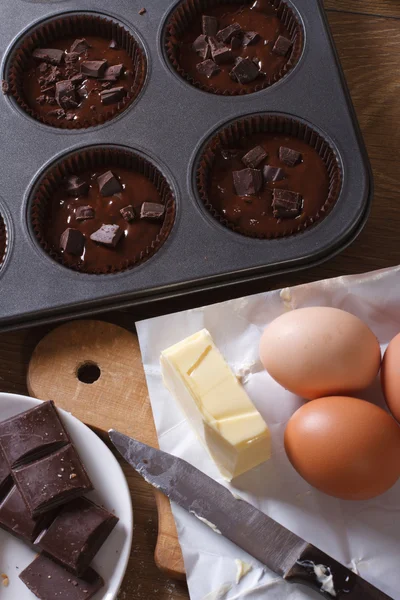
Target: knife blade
pixel 279 549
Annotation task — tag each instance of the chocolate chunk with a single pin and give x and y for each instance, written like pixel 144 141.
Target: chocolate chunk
pixel 200 45
pixel 77 534
pixel 113 95
pixel 80 46
pixel 113 45
pixel 83 213
pixel 109 184
pixel 16 519
pixel 208 68
pixel 236 43
pixel 48 581
pixel 152 210
pixel 78 78
pixel 247 182
pixel 225 35
pixel 254 157
pixel 282 46
pixel 71 59
pixel 273 174
pixel 76 186
pixel 5 475
pixel 83 92
pixel 54 74
pixel 220 52
pixel 66 94
pixel 94 68
pixel 53 480
pixel 289 157
pixel 113 73
pixel 128 213
pixel 286 204
pixel 209 25
pixel 31 434
pixel 48 55
pixel 142 11
pixel 72 241
pixel 108 235
pixel 250 37
pixel 42 68
pixel 244 71
pixel 5 88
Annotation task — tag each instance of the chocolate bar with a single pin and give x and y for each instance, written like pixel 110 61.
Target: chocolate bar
pixel 16 519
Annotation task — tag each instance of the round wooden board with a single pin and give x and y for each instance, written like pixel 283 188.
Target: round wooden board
pixel 118 399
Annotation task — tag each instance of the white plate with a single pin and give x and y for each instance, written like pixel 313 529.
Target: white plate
pixel 111 491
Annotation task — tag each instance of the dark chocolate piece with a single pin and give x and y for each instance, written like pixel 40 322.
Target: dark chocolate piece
pixel 109 184
pixel 94 68
pixel 80 46
pixel 113 73
pixel 286 204
pixel 142 11
pixel 77 534
pixel 200 45
pixel 48 55
pixel 250 37
pixel 208 68
pixel 53 480
pixel 108 235
pixel 128 213
pixel 72 241
pixel 244 71
pixel 289 157
pixel 225 35
pixel 209 25
pixel 220 52
pixel 31 434
pixel 49 581
pixel 77 79
pixel 16 519
pixel 282 46
pixel 152 210
pixel 273 174
pixel 66 94
pixel 83 213
pixel 113 95
pixel 247 182
pixel 5 475
pixel 113 45
pixel 254 157
pixel 77 186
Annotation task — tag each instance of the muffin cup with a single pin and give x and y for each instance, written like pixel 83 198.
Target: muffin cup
pixel 75 25
pixel 190 10
pixel 94 159
pixel 236 131
pixel 3 240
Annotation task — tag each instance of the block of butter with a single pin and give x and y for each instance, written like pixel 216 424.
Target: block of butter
pixel 216 404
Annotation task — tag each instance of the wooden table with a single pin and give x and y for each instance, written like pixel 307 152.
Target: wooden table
pixel 367 34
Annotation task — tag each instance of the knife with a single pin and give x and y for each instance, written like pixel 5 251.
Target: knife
pixel 279 549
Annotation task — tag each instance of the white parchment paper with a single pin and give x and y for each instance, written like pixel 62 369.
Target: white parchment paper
pixel 365 536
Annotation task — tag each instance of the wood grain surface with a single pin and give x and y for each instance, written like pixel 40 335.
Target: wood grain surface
pixel 367 35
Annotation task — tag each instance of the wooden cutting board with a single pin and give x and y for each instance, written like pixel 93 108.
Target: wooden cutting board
pixel 63 367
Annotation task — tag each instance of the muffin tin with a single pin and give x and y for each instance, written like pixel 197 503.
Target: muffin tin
pixel 169 124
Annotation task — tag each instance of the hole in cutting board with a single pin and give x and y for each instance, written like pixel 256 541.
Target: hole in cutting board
pixel 88 372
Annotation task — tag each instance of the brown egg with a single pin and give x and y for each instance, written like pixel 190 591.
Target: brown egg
pixel 345 447
pixel 390 376
pixel 320 351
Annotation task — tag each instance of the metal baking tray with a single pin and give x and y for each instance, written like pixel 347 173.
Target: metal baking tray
pixel 170 123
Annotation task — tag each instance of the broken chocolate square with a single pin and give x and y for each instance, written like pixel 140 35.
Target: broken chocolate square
pixel 286 204
pixel 208 68
pixel 244 71
pixel 128 213
pixel 152 210
pixel 83 213
pixel 250 37
pixel 79 46
pixel 225 35
pixel 209 25
pixel 113 73
pixel 282 46
pixel 254 157
pixel 66 94
pixel 273 174
pixel 16 519
pixel 77 534
pixel 109 184
pixel 289 157
pixel 112 95
pixel 94 68
pixel 72 241
pixel 108 235
pixel 220 52
pixel 200 45
pixel 247 182
pixel 48 55
pixel 76 186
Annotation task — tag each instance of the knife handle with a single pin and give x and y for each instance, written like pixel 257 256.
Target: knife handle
pixel 331 579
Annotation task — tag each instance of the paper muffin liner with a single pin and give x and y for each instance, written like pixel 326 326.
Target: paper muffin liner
pixel 191 10
pixel 233 133
pixel 3 241
pixel 93 159
pixel 75 25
